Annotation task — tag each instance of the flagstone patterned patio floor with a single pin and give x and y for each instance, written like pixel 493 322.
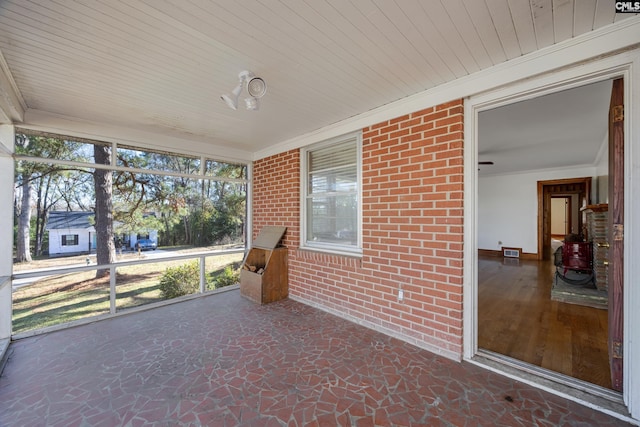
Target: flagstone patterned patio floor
pixel 221 360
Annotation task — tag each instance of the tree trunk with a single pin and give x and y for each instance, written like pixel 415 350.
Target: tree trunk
pixel 167 232
pixel 23 245
pixel 187 232
pixel 38 240
pixel 103 180
pixel 43 209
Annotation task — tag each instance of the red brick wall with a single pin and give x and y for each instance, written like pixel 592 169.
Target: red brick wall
pixel 276 195
pixel 412 200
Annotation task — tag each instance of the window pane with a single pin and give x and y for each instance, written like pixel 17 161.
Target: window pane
pixel 333 220
pixel 154 282
pixel 51 147
pixel 335 156
pixel 225 170
pixel 176 211
pixel 332 195
pixel 156 160
pixel 48 301
pixel 170 211
pixel 338 180
pixel 153 206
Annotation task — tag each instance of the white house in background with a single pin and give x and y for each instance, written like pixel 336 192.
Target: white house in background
pixel 74 233
pixel 71 233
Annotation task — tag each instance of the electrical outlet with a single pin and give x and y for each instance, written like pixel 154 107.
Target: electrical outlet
pixel 400 295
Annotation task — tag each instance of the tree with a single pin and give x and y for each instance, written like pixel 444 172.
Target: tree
pixel 23 179
pixel 33 178
pixel 103 179
pixel 229 201
pixel 23 243
pixel 186 209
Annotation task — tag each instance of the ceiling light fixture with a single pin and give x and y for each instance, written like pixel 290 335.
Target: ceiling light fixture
pixel 252 103
pixel 232 100
pixel 256 88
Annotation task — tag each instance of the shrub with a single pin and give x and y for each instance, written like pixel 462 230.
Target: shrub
pixel 226 277
pixel 181 280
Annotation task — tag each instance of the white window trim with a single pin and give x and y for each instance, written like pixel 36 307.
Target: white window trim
pixel 328 247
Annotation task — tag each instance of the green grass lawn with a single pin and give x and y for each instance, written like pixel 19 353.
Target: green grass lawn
pixel 65 298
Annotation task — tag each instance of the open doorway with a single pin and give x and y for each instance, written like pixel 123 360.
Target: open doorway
pixel 561 218
pixel 560 206
pixel 551 148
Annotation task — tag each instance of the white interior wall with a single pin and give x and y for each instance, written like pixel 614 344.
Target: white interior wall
pixel 508 207
pixel 602 189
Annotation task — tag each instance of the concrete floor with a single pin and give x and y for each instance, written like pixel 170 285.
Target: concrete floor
pixel 221 360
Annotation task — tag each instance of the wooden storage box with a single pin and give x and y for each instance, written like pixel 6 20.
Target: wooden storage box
pixel 264 276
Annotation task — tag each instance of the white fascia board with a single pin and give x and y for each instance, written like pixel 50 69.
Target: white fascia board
pixel 604 41
pixel 12 106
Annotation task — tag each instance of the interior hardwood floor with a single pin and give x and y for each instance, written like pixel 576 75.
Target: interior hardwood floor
pixel 518 319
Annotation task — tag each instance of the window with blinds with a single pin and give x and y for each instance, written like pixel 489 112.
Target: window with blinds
pixel 331 210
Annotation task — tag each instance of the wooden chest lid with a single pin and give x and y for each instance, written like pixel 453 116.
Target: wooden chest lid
pixel 269 237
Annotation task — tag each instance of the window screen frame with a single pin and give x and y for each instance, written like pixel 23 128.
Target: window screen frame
pixel 305 241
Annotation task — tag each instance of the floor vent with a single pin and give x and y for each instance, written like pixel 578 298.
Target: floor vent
pixel 511 252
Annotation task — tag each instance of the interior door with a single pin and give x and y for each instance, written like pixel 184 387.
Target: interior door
pixel 616 231
pixel 561 212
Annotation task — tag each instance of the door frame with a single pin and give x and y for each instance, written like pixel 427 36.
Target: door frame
pixel 627 66
pixel 544 208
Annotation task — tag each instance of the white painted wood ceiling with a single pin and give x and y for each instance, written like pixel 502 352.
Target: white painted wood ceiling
pixel 161 65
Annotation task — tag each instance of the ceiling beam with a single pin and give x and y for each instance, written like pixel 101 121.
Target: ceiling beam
pixel 12 106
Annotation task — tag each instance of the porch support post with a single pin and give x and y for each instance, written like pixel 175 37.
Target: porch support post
pixel 6 226
pixel 203 274
pixel 112 288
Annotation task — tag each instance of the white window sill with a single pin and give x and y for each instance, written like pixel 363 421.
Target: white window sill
pixel 357 253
